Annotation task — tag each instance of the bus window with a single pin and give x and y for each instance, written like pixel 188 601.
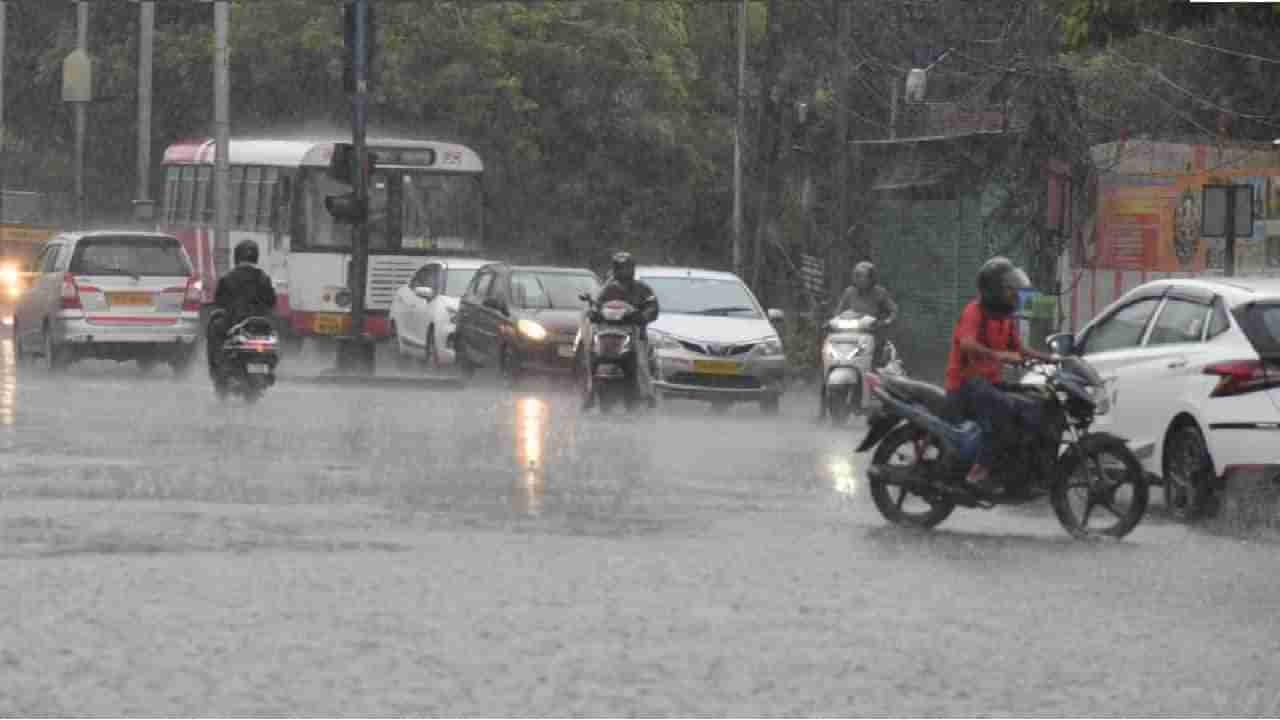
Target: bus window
pixel 170 193
pixel 267 199
pixel 204 199
pixel 186 193
pixel 321 232
pixel 235 201
pixel 252 191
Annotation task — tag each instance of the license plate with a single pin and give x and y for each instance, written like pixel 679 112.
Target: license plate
pixel 716 367
pixel 129 298
pixel 566 351
pixel 257 368
pixel 329 324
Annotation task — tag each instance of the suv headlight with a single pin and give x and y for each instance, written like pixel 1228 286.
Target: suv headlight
pixel 772 346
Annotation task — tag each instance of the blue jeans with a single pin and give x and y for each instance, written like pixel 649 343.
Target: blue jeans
pixel 994 410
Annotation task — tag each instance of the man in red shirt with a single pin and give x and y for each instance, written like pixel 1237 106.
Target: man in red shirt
pixel 985 338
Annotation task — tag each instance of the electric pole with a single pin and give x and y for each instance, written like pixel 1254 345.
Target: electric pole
pixel 841 247
pixel 737 139
pixel 143 208
pixel 356 351
pixel 82 46
pixel 222 129
pixel 3 139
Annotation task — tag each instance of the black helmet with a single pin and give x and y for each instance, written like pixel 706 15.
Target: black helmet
pixel 866 269
pixel 996 278
pixel 623 267
pixel 246 252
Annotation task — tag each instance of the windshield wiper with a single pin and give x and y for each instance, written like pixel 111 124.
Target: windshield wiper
pixel 725 310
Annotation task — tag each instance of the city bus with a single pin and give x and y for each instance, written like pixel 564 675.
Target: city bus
pixel 425 199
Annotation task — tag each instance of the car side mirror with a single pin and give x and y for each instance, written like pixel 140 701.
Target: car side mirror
pixel 776 315
pixel 425 292
pixel 1062 343
pixel 584 297
pixel 494 303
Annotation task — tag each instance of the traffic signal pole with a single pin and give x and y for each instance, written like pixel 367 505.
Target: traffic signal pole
pixel 356 350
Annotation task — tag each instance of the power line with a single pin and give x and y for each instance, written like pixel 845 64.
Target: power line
pixel 1215 48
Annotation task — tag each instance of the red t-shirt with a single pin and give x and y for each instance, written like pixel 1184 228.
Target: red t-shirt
pixel 1001 335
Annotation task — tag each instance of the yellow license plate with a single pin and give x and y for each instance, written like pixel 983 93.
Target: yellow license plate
pixel 716 367
pixel 329 324
pixel 129 298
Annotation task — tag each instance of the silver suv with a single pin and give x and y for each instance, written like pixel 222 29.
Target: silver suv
pixel 121 296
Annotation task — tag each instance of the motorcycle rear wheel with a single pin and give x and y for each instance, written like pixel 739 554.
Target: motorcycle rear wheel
pixel 1102 472
pixel 890 500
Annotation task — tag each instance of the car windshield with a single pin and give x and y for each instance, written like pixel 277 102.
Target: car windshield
pixel 551 290
pixel 704 296
pixel 457 281
pixel 130 255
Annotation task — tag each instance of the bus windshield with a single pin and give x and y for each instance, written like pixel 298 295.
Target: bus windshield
pixel 409 212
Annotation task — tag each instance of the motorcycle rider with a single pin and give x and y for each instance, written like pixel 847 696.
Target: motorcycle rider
pixel 623 285
pixel 986 336
pixel 866 296
pixel 245 291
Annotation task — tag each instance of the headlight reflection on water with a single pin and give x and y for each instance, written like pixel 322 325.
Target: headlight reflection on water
pixel 844 479
pixel 530 435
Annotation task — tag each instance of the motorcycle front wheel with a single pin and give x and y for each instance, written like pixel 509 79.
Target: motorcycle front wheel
pixel 840 407
pixel 1102 480
pixel 908 447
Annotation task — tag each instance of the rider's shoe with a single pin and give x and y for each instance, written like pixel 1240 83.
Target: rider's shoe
pixel 979 478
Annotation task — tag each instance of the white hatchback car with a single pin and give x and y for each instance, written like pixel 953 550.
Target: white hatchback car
pixel 712 340
pixel 122 295
pixel 1193 367
pixel 424 311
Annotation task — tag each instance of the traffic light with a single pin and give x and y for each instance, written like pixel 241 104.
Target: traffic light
pixel 347 208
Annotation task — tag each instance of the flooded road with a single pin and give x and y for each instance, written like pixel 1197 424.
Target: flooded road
pixel 338 551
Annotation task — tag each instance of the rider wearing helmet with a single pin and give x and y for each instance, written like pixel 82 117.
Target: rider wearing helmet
pixel 245 291
pixel 623 285
pixel 867 297
pixel 985 337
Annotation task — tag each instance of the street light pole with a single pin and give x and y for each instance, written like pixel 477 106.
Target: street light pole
pixel 142 206
pixel 737 139
pixel 222 129
pixel 3 25
pixel 82 44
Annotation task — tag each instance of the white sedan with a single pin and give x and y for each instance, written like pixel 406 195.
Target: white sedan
pixel 424 311
pixel 1193 368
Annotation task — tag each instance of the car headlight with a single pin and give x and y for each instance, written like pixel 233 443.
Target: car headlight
pixel 772 346
pixel 662 341
pixel 531 329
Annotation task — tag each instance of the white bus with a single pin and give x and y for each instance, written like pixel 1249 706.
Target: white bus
pixel 425 198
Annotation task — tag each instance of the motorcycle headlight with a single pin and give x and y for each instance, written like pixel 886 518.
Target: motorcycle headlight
pixel 662 341
pixel 531 329
pixel 1101 399
pixel 841 352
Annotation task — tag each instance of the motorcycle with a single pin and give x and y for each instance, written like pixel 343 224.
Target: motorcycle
pixel 248 359
pixel 610 354
pixel 848 354
pixel 920 452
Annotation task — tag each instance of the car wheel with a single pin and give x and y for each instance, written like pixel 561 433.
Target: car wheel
pixel 402 357
pixel 1188 473
pixel 146 363
pixel 181 362
pixel 509 365
pixel 466 368
pixel 55 359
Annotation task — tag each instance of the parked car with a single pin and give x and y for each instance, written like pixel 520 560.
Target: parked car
pixel 1194 372
pixel 522 318
pixel 712 339
pixel 116 295
pixel 424 311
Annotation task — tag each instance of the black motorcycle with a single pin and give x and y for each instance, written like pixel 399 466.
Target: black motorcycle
pixel 246 365
pixel 917 473
pixel 610 354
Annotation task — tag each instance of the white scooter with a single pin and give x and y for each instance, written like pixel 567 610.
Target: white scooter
pixel 847 355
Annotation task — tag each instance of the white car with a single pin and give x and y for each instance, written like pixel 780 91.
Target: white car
pixel 1193 368
pixel 424 311
pixel 712 340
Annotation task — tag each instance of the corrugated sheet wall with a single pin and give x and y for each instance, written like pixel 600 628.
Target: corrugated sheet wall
pixel 929 252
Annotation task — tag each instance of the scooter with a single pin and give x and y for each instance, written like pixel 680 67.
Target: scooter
pixel 847 356
pixel 610 354
pixel 248 360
